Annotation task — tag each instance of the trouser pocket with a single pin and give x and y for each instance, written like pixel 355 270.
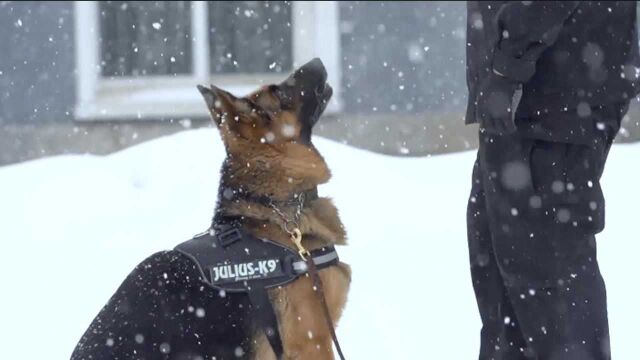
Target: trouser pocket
pixel 566 183
pixel 544 203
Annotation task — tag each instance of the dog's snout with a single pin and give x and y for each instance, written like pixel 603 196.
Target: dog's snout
pixel 316 65
pixel 313 69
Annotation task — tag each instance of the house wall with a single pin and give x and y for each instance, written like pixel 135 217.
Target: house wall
pixel 403 57
pixel 37 82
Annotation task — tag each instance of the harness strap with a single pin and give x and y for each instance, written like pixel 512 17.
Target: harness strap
pixel 317 282
pixel 322 258
pixel 266 316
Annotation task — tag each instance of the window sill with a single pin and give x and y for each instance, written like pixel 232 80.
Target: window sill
pixel 155 98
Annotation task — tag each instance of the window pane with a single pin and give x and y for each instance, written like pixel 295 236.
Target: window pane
pixel 250 36
pixel 145 38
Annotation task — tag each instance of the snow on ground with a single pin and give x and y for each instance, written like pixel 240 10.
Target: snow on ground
pixel 74 226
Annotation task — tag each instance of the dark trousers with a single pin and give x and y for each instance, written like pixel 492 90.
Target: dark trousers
pixel 534 210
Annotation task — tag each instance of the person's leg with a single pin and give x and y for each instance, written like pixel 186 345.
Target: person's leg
pixel 566 322
pixel 500 337
pixel 544 205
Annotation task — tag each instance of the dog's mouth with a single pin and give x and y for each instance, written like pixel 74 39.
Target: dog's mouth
pixel 323 94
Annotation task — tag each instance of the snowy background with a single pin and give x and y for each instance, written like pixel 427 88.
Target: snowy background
pixel 74 226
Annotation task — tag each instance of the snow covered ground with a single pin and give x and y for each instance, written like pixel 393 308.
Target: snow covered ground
pixel 72 227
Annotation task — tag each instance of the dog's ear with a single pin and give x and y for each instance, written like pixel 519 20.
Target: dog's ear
pixel 221 104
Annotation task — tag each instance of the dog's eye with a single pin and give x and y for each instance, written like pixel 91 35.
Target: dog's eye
pixel 286 102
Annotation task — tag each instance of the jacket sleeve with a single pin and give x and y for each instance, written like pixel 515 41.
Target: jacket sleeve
pixel 526 29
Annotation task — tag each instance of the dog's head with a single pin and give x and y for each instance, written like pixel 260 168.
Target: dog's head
pixel 273 114
pixel 267 134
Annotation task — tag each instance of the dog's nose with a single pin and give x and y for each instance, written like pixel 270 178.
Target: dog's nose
pixel 203 90
pixel 315 63
pixel 316 67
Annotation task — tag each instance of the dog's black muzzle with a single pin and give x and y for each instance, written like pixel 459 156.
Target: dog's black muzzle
pixel 309 85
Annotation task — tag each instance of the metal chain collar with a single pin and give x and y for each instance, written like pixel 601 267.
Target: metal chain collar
pixel 290 224
pixel 294 231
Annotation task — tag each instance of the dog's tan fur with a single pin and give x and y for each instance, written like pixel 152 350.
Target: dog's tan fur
pixel 263 159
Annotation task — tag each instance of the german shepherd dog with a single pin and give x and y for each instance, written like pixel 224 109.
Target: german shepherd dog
pixel 163 310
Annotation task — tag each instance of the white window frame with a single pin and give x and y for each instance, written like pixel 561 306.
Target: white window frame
pixel 315 33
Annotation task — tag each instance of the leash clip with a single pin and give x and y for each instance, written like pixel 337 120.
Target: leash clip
pixel 296 238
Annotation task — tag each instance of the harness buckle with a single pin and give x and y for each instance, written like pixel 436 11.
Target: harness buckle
pixel 228 236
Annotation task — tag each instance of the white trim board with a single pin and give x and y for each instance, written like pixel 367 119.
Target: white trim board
pixel 315 34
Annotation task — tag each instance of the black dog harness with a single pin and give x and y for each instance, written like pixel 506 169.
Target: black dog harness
pixel 233 260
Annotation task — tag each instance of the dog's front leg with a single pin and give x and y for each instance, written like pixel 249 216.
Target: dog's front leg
pixel 303 328
pixel 319 349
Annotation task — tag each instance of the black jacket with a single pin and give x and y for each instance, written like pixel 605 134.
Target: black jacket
pixel 570 57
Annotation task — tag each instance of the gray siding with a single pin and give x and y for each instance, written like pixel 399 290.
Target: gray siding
pixel 36 62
